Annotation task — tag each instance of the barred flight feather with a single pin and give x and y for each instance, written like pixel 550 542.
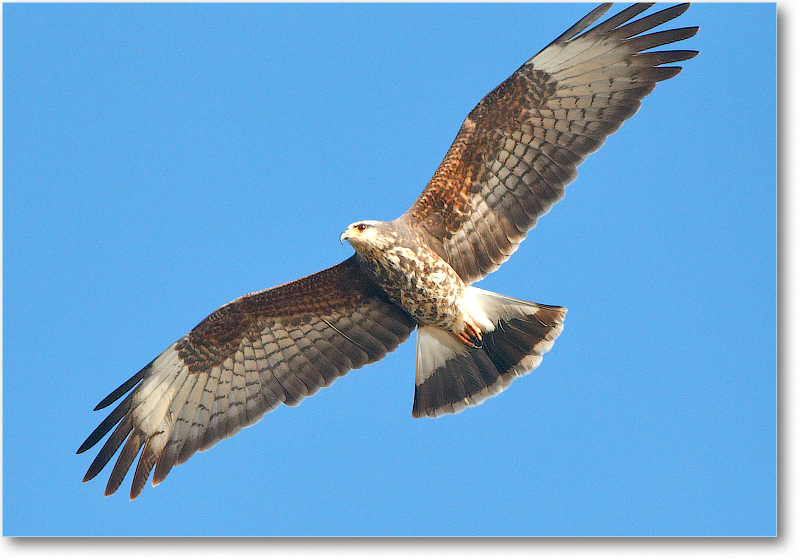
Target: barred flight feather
pixel 602 71
pixel 184 401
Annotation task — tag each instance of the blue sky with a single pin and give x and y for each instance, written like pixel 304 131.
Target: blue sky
pixel 161 160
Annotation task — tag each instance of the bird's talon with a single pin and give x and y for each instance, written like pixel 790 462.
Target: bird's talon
pixel 471 337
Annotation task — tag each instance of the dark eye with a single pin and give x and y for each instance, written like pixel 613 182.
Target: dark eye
pixel 361 227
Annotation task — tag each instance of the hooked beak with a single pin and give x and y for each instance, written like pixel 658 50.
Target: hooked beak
pixel 345 235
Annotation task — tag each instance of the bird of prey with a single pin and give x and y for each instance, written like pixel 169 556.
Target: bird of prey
pixel 510 162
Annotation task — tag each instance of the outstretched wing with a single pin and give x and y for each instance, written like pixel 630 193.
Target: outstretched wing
pixel 249 356
pixel 521 145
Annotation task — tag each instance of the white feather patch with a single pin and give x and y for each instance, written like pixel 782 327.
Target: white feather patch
pixel 151 401
pixel 434 347
pixel 486 308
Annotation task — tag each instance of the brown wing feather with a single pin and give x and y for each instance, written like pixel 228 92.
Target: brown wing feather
pixel 263 349
pixel 521 145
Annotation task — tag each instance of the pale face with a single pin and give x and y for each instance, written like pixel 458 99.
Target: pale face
pixel 365 233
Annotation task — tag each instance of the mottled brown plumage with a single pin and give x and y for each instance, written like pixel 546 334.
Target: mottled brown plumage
pixel 521 145
pixel 511 160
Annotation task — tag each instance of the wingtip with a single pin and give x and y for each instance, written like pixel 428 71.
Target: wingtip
pixel 584 22
pixel 125 387
pixel 688 55
pixel 680 8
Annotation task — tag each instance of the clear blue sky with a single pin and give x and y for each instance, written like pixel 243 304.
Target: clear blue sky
pixel 161 160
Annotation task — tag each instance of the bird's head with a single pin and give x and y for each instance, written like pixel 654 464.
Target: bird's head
pixel 366 236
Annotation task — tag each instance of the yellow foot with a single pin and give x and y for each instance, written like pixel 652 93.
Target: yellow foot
pixel 471 336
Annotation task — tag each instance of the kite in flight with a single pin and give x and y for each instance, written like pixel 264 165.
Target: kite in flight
pixel 510 162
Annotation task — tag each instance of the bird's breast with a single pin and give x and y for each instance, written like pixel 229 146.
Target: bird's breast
pixel 419 281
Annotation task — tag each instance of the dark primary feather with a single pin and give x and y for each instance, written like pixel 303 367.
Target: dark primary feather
pixel 521 145
pixel 263 349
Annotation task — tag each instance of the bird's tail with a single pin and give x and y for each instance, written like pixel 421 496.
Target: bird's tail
pixel 452 376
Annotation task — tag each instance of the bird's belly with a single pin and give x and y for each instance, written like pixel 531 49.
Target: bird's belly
pixel 423 285
pixel 432 301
